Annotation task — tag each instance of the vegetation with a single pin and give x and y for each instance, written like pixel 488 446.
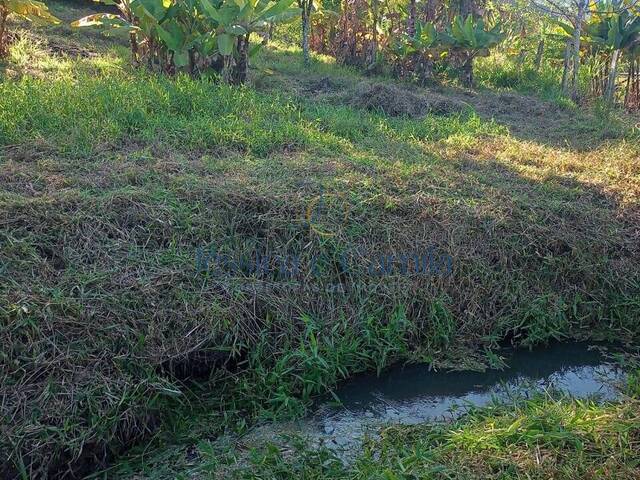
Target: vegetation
pixel 193 34
pixel 538 438
pixel 114 177
pixel 612 29
pixel 30 10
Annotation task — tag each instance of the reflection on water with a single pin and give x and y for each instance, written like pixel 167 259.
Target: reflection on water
pixel 414 394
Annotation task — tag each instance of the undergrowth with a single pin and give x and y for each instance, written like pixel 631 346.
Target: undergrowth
pixel 112 181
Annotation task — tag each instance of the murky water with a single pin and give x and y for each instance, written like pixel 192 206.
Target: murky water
pixel 414 394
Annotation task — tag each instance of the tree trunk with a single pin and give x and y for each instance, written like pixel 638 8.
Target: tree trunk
pixel 133 41
pixel 539 53
pixel 192 62
pixel 566 68
pixel 466 8
pixel 428 11
pixel 266 37
pixel 632 96
pixel 4 13
pixel 241 68
pixel 611 78
pixel 627 89
pixel 466 72
pixel 372 59
pixel 411 19
pixel 424 69
pixel 576 48
pixel 227 69
pixel 306 13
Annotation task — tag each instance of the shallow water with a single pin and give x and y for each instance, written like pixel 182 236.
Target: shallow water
pixel 415 394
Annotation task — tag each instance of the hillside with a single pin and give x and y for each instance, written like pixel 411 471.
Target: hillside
pixel 348 221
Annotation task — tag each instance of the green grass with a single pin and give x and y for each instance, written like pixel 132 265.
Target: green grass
pixel 547 436
pixel 537 439
pixel 111 179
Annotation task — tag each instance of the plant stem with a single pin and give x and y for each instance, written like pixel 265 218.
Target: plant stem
pixel 4 13
pixel 576 47
pixel 565 71
pixel 133 40
pixel 306 13
pixel 411 20
pixel 611 80
pixel 539 54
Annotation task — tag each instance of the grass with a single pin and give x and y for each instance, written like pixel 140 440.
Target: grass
pixel 112 179
pixel 534 439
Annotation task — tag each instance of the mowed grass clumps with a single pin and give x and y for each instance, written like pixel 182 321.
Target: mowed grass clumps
pixel 110 185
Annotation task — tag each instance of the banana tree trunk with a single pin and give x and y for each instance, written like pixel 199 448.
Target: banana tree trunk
pixel 372 59
pixel 4 13
pixel 424 69
pixel 467 8
pixel 306 14
pixel 428 11
pixel 411 19
pixel 133 42
pixel 266 36
pixel 611 79
pixel 466 71
pixel 227 69
pixel 241 69
pixel 582 6
pixel 566 68
pixel 631 84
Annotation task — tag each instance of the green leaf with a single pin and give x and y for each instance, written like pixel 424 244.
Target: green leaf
pixel 211 10
pixel 172 35
pixel 102 20
pixel 32 10
pixel 225 44
pixel 286 16
pixel 277 9
pixel 236 30
pixel 255 49
pixel 153 8
pixel 181 58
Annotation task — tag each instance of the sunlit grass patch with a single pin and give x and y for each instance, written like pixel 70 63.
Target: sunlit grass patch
pixel 82 114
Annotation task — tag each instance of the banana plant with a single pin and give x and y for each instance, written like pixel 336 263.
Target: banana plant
pixel 425 38
pixel 235 21
pixel 31 10
pixel 614 31
pixel 186 34
pixel 178 34
pixel 138 18
pixel 420 49
pixel 471 38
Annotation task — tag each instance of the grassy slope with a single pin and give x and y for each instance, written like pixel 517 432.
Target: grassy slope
pixel 111 179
